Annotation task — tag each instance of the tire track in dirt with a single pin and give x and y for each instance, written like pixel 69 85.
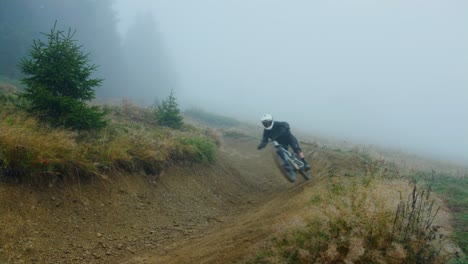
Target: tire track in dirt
pixel 239 235
pixel 189 213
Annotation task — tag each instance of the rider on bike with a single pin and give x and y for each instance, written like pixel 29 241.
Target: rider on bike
pixel 280 132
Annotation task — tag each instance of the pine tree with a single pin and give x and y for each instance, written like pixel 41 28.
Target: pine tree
pixel 168 113
pixel 97 32
pixel 59 82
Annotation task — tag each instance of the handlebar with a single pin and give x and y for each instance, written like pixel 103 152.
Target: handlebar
pixel 277 145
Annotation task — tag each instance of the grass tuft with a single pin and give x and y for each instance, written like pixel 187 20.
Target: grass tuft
pixel 356 226
pixel 132 142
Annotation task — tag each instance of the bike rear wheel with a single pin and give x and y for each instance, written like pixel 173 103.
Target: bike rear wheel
pixel 307 174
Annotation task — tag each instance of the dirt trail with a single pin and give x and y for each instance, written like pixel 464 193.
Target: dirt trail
pixel 191 214
pixel 240 235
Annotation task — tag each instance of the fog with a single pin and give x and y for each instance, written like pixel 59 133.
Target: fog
pixel 390 73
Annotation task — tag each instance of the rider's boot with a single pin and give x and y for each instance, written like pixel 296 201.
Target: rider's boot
pixel 306 165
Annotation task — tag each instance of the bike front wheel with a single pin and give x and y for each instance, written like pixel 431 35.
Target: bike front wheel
pixel 287 171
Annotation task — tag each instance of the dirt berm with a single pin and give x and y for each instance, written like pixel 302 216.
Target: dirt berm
pixel 189 214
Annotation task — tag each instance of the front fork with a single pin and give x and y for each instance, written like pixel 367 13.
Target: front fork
pixel 280 153
pixel 295 162
pixel 283 156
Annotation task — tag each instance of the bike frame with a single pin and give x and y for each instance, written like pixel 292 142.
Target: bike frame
pixel 288 157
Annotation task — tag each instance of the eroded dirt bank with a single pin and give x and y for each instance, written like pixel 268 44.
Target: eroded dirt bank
pixel 111 222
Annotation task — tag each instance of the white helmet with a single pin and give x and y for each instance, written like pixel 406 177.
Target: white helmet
pixel 267 121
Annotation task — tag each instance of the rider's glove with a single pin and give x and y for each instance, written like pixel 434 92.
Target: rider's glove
pixel 261 146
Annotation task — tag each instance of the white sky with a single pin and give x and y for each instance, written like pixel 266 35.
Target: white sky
pixel 392 73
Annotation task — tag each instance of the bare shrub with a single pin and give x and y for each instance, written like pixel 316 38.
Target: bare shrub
pixel 412 226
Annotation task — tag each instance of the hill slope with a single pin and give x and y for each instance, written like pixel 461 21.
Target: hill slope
pixel 192 214
pixel 97 223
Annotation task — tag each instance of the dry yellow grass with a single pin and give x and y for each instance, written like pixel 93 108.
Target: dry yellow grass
pixel 350 220
pixel 29 148
pixel 33 151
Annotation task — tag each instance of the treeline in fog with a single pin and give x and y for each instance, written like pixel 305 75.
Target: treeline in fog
pixel 133 67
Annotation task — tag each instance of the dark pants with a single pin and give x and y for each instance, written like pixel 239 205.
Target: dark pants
pixel 291 141
pixel 285 143
pixel 286 164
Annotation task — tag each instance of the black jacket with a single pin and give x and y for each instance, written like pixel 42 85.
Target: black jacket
pixel 279 132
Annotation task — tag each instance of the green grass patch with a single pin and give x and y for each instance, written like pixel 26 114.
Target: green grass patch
pixel 203 149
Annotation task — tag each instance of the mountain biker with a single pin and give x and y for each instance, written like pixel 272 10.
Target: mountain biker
pixel 280 131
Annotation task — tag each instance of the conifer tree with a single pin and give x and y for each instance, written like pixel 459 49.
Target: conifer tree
pixel 59 82
pixel 168 113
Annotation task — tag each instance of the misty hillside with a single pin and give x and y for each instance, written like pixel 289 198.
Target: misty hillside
pixel 139 192
pixel 128 67
pixel 357 71
pixel 130 131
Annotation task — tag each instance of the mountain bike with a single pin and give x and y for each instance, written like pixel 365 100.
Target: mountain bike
pixel 292 159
